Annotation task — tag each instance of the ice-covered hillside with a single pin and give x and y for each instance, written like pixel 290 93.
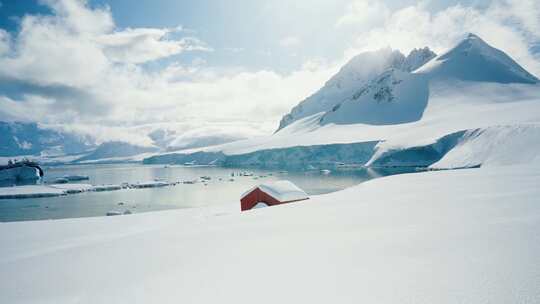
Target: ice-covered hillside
pixel 412 116
pixel 358 71
pixel 394 97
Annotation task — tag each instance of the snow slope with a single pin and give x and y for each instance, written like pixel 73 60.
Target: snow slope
pixel 394 97
pixel 500 145
pixel 463 236
pixel 491 146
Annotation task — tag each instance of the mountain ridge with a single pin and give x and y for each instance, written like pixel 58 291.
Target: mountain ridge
pixel 400 95
pixel 473 59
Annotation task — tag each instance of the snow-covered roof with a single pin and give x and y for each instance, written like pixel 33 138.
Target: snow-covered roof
pixel 282 190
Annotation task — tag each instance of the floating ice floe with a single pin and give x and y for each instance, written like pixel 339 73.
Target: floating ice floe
pixel 113 213
pixel 76 177
pixel 73 188
pixel 61 180
pixel 29 192
pixel 100 188
pixel 58 189
pixel 150 184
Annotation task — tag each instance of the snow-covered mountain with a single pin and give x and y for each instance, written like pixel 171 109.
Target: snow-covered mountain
pixel 17 138
pixel 116 149
pixel 353 75
pixel 397 97
pixel 47 144
pixel 394 97
pixel 457 110
pixel 474 60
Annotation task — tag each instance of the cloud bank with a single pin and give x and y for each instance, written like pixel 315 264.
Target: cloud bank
pixel 76 69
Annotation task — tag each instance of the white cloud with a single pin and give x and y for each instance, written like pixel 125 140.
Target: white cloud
pixel 86 73
pixel 77 46
pixel 146 44
pixel 364 14
pixel 510 25
pixel 233 49
pixel 290 42
pixel 75 16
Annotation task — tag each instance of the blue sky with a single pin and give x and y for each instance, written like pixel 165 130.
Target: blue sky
pixel 231 66
pixel 243 33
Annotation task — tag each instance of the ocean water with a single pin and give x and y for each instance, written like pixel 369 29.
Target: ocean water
pixel 174 197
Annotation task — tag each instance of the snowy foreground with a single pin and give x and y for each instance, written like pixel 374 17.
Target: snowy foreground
pixel 463 236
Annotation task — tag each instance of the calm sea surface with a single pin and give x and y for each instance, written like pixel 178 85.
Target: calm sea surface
pixel 174 197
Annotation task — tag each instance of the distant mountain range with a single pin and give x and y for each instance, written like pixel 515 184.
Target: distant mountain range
pixel 46 144
pixel 17 138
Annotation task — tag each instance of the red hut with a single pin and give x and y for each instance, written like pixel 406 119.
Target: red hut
pixel 271 194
